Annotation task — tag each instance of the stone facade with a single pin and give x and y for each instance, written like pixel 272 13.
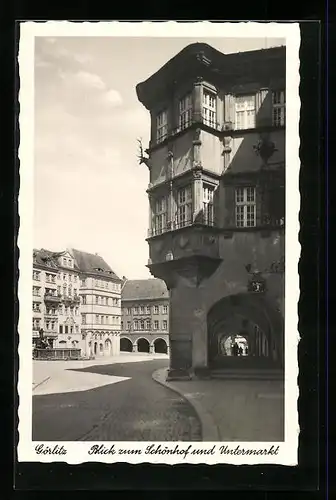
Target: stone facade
pixel 216 160
pixel 145 316
pixel 76 302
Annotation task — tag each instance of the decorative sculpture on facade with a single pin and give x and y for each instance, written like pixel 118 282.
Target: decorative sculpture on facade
pixel 265 148
pixel 142 158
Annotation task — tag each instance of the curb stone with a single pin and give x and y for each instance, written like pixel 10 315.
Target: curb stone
pixel 210 432
pixel 40 383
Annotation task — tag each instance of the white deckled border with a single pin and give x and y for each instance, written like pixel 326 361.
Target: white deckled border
pixel 77 452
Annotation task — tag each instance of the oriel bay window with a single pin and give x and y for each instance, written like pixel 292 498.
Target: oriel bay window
pixel 209 109
pixel 245 207
pixel 245 112
pixel 208 207
pixel 185 111
pixel 161 126
pixel 278 108
pixel 184 206
pixel 160 215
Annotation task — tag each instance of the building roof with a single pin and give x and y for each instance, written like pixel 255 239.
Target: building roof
pixel 93 264
pixel 144 290
pixel 202 60
pixel 46 258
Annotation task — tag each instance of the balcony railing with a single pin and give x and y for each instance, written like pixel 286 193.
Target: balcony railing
pixel 51 315
pixel 50 333
pixel 49 297
pixel 178 224
pixel 69 299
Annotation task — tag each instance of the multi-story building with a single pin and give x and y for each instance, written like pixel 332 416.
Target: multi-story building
pixel 76 301
pixel 100 310
pixel 216 161
pixel 145 316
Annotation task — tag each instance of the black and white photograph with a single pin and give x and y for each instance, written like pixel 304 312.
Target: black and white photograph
pixel 159 217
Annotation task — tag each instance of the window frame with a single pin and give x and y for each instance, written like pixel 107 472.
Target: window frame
pixel 244 110
pixel 184 206
pixel 161 125
pixel 185 111
pixel 279 108
pixel 208 109
pixel 245 203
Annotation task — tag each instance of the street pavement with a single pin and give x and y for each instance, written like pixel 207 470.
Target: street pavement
pixel 131 407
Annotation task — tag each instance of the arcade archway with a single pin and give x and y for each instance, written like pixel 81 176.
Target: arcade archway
pixel 126 345
pixel 143 345
pixel 245 331
pixel 160 346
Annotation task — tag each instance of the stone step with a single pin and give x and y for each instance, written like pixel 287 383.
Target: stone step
pixel 247 374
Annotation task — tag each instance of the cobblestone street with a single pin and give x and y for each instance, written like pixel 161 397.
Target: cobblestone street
pixel 135 409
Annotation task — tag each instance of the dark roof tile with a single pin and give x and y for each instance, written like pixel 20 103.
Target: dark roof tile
pixel 144 289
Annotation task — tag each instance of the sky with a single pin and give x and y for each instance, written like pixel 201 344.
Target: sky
pixel 89 189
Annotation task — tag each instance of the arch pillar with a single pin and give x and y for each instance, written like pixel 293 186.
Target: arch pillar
pixel 151 349
pixel 187 317
pixel 135 347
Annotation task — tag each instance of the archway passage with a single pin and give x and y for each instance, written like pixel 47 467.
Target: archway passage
pixel 108 347
pixel 143 345
pixel 245 331
pixel 160 346
pixel 125 345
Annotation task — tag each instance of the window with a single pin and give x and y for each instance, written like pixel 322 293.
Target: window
pixel 160 215
pixel 245 112
pixel 36 291
pixel 156 325
pixel 135 310
pixel 70 277
pixel 148 309
pixel 36 323
pixel 161 126
pixel 185 111
pixel 165 309
pixel 278 108
pixel 209 109
pixel 184 206
pixel 36 275
pixel 156 309
pixel 135 324
pixel 208 207
pixel 148 324
pixel 64 276
pixel 128 310
pixel 61 329
pixel 245 207
pixel 97 319
pixel 83 299
pixel 122 325
pixel 107 320
pixel 83 282
pixel 128 325
pixel 66 329
pixel 142 310
pixel 164 325
pixel 142 325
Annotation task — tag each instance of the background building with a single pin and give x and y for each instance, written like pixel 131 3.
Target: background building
pixel 100 292
pixel 145 316
pixel 216 160
pixel 76 301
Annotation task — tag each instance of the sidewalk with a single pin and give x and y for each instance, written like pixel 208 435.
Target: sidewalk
pixel 234 410
pixel 53 377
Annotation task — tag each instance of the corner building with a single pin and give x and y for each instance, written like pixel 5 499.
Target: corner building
pixel 100 294
pixel 216 161
pixel 145 316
